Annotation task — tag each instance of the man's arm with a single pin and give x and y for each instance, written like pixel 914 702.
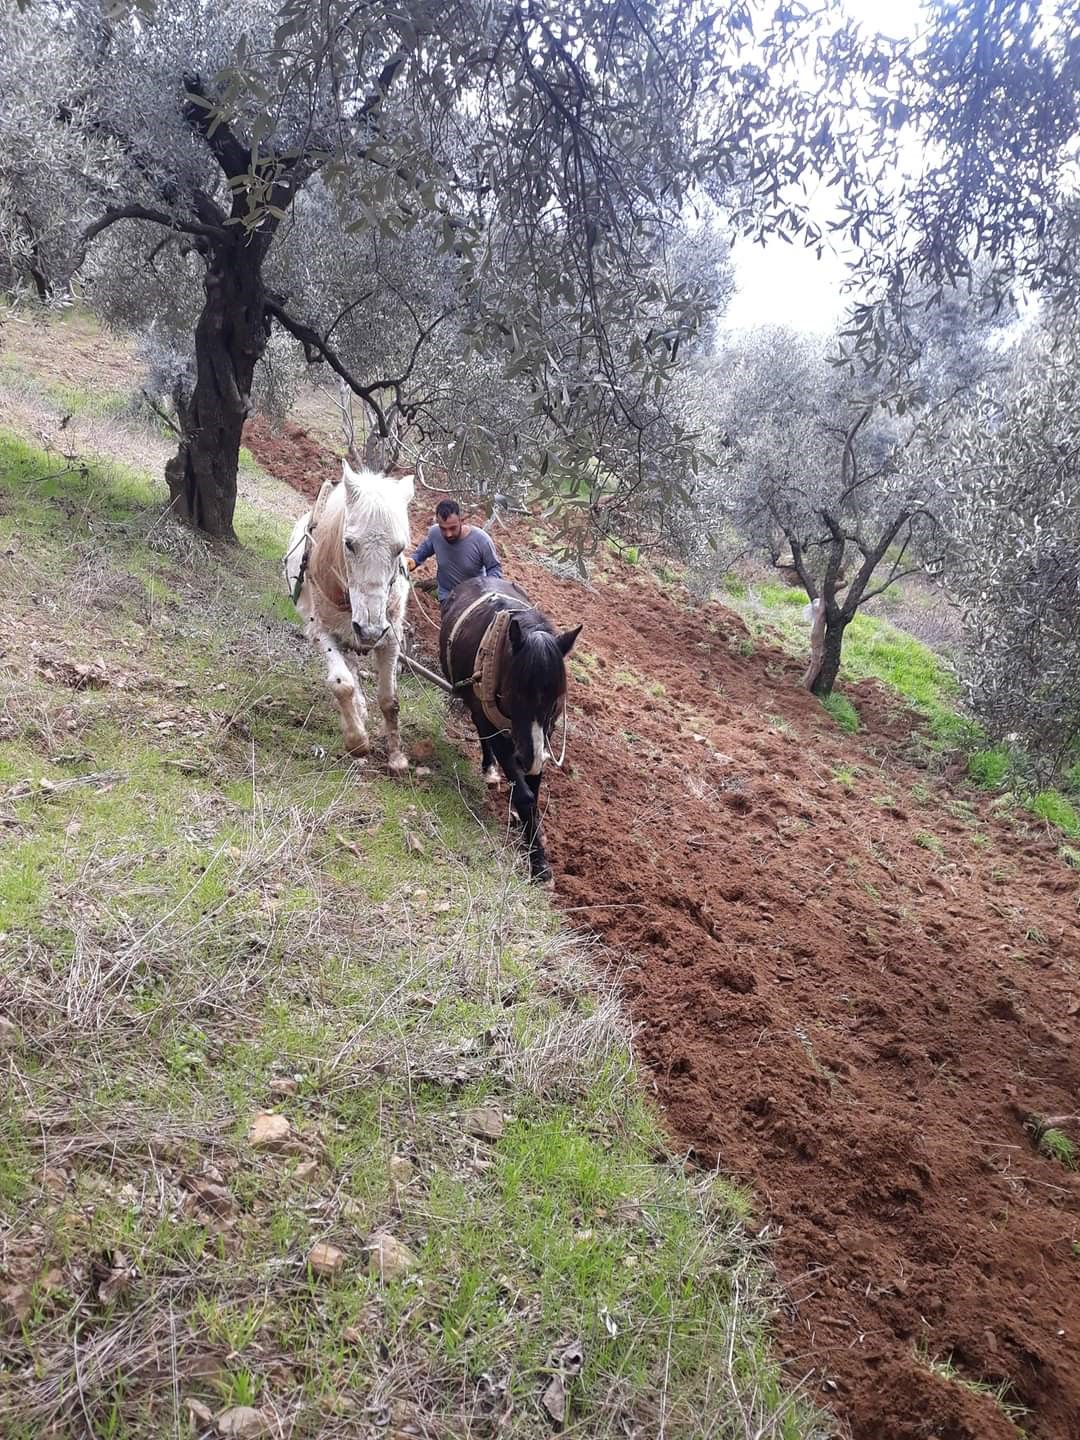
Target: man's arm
pixel 491 559
pixel 423 551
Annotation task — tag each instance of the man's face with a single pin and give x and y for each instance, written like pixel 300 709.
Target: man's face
pixel 450 527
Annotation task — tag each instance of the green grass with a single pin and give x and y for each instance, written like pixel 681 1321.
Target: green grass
pixel 842 711
pixel 208 912
pixel 990 769
pixel 1057 809
pixel 1056 1145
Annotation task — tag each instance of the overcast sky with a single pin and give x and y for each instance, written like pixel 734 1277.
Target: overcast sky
pixel 787 284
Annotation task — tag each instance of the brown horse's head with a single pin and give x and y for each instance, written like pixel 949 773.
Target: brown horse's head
pixel 532 687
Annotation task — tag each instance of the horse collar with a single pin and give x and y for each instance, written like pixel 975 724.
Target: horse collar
pixel 486 667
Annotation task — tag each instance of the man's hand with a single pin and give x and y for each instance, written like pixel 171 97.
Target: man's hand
pixel 410 564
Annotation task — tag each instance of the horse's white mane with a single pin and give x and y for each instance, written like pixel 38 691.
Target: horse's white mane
pixel 377 504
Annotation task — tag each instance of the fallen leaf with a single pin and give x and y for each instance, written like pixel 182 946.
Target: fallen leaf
pixel 348 845
pixel 50 1281
pixel 112 1276
pixel 210 1195
pixel 352 1335
pixel 422 772
pixel 390 1257
pixel 242 1422
pixel 15 1302
pixel 306 1170
pixel 269 1132
pixel 10 1038
pixel 570 1359
pixel 486 1122
pixel 554 1399
pixel 201 1414
pixel 444 907
pixel 283 1086
pixel 414 843
pixel 402 1169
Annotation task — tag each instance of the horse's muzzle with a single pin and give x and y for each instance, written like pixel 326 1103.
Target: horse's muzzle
pixel 366 637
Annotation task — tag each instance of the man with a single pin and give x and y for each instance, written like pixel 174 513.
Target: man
pixel 462 551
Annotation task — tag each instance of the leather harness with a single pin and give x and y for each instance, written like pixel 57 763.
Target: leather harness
pixel 486 667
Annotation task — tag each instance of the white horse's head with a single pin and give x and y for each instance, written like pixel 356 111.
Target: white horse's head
pixel 374 534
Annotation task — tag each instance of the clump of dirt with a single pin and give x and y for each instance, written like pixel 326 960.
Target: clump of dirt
pixel 853 985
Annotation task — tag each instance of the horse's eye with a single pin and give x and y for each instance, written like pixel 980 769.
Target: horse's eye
pixel 350 545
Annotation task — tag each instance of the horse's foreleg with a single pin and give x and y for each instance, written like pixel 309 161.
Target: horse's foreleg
pixel 345 688
pixel 523 799
pixel 386 665
pixel 488 764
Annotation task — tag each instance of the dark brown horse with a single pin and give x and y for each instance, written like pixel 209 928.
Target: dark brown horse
pixel 507 663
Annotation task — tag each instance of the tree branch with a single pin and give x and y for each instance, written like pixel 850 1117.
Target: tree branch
pixel 154 217
pixel 316 349
pixel 200 112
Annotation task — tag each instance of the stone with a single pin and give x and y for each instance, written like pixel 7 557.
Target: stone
pixel 242 1422
pixel 390 1258
pixel 486 1122
pixel 269 1132
pixel 326 1260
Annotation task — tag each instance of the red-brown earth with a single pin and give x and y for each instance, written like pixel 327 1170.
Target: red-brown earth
pixel 853 984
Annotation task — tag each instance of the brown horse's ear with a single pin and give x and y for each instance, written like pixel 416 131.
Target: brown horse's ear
pixel 517 639
pixel 566 640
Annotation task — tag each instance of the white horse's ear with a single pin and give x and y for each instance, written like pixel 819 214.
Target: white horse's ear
pixel 407 487
pixel 350 477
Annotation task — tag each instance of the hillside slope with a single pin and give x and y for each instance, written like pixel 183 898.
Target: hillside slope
pixel 854 983
pixel 313 1120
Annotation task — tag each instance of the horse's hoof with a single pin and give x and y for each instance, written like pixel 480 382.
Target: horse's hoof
pixel 398 763
pixel 543 874
pixel 491 778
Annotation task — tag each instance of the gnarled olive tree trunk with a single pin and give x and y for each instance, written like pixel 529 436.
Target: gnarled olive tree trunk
pixel 230 338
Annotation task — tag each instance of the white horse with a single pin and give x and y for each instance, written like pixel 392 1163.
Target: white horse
pixel 345 571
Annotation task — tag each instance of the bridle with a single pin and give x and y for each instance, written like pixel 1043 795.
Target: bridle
pixel 397 573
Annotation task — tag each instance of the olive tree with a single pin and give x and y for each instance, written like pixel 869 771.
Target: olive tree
pixel 1013 482
pixel 835 477
pixel 535 160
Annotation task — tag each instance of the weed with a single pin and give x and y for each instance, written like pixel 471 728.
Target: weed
pixel 926 841
pixel 1056 1145
pixel 1056 809
pixel 845 775
pixel 842 711
pixel 999 1393
pixel 989 769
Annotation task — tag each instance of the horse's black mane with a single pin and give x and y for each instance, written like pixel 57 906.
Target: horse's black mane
pixel 538 666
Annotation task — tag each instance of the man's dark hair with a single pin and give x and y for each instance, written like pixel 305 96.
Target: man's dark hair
pixel 446 508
